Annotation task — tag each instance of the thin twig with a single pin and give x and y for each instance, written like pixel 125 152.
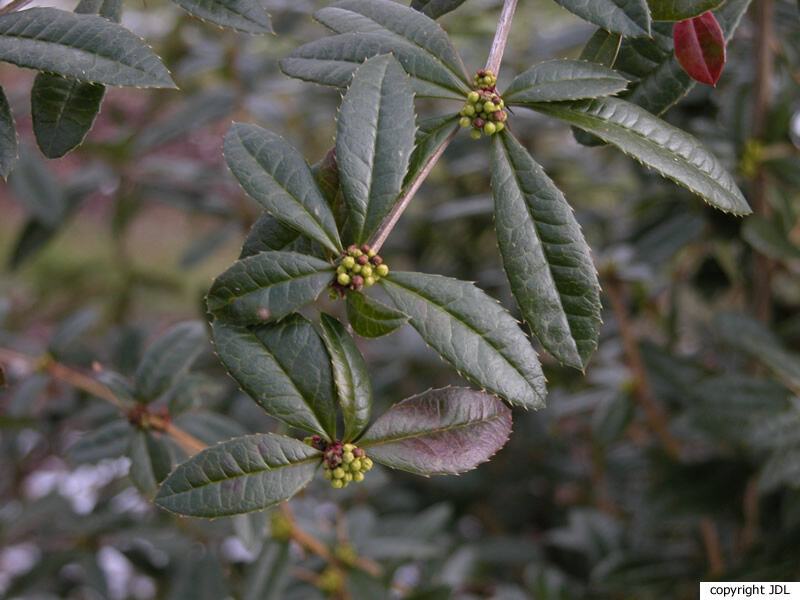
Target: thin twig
pixel 83 382
pixel 710 535
pixel 501 36
pixel 763 266
pixel 656 418
pixel 14 6
pixel 394 215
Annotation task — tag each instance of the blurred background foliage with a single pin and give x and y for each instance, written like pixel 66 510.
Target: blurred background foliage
pixel 674 459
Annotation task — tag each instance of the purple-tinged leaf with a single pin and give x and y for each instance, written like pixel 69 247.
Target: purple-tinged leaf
pixel 700 47
pixel 443 431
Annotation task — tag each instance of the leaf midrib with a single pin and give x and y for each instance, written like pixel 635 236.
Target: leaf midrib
pixel 402 437
pixel 468 326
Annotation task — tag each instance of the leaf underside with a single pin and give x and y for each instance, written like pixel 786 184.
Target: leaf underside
pixel 285 368
pixel 241 475
pixel 443 431
pixel 86 47
pixel 472 332
pixel 546 257
pixel 672 152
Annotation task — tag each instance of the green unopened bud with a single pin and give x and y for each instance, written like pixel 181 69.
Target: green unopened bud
pixel 341 269
pixel 368 281
pixel 372 253
pixel 382 270
pixel 473 97
pixel 475 134
pixel 366 271
pixel 338 473
pixel 355 465
pixel 465 121
pixel 356 269
pixel 489 107
pixel 354 252
pixel 348 447
pixel 479 107
pixel 468 110
pixel 489 129
pixel 343 279
pixel 327 474
pixel 348 262
pixel 366 464
pixel 337 484
pixel 499 126
pixel 358 477
pixel 347 457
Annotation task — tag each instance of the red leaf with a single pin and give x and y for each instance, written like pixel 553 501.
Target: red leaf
pixel 700 47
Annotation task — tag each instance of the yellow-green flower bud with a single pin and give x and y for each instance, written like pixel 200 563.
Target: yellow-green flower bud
pixel 343 279
pixel 341 269
pixel 358 477
pixel 489 129
pixel 348 262
pixel 338 473
pixel 366 464
pixel 355 465
pixel 465 121
pixel 327 474
pixel 499 126
pixel 371 253
pixel 489 107
pixel 468 111
pixel 366 271
pixel 348 477
pixel 337 484
pixel 479 107
pixel 473 97
pixel 382 270
pixel 348 447
pixel 368 281
pixel 347 457
pixel 475 134
pixel 356 269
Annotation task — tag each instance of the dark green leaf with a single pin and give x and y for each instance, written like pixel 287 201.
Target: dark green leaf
pixel 432 133
pixel 627 17
pixel 198 111
pixel 243 15
pixel 241 475
pixel 285 368
pixel 275 174
pixel 374 140
pixel 9 149
pixel 63 111
pixel 332 61
pixel 444 431
pixel 546 257
pixel 109 440
pixel 86 47
pixel 326 174
pixel 168 359
pixel 395 21
pixel 670 151
pixel 471 331
pixel 266 578
pixel 150 461
pixel 268 286
pixel 563 80
pixel 268 233
pixel 351 376
pixel 602 48
pixel 370 318
pixel 436 8
pixel 767 236
pixel 119 385
pixel 756 341
pixel 678 10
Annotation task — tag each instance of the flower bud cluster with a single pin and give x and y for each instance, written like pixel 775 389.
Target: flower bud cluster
pixel 359 267
pixel 483 110
pixel 343 463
